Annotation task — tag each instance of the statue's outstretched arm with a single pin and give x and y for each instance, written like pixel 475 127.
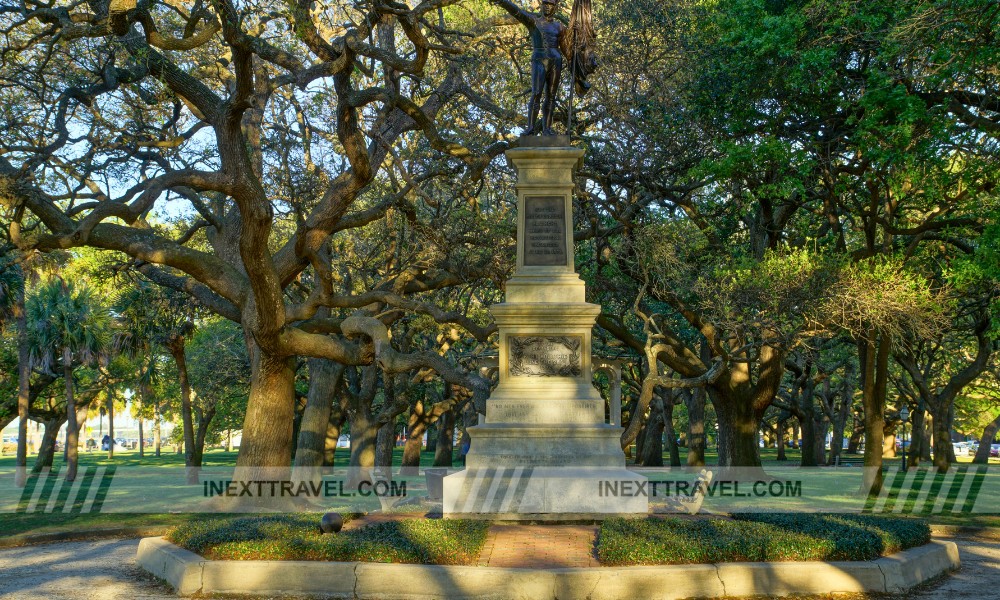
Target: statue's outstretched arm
pixel 519 13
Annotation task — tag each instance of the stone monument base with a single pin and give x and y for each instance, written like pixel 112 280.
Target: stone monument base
pixel 555 447
pixel 544 493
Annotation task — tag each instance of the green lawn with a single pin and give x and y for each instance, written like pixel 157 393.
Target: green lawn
pixel 42 523
pixel 17 523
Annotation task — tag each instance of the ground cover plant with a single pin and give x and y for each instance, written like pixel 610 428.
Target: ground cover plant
pixel 756 537
pixel 297 537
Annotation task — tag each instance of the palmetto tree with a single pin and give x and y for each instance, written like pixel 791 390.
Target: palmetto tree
pixel 149 318
pixel 68 324
pixel 18 270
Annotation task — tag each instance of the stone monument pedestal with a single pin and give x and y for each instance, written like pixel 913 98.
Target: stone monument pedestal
pixel 544 450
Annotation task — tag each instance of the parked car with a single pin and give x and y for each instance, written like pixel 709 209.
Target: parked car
pixel 995 450
pixel 344 441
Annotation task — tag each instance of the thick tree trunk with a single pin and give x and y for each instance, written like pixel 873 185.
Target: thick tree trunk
pixel 874 358
pixel 432 438
pixel 640 440
pixel 857 434
pixel 807 415
pixel 925 449
pixel 738 422
pixel 696 428
pixel 917 439
pixel 363 437
pixel 819 445
pixel 416 425
pixel 414 446
pixel 985 441
pixel 837 440
pixel 808 427
pixel 47 447
pixel 324 376
pixel 671 434
pixel 267 426
pixel 384 443
pixel 840 417
pixel 72 426
pixel 198 451
pixel 23 389
pixel 444 452
pixel 650 454
pixel 176 347
pixel 944 452
pixel 781 439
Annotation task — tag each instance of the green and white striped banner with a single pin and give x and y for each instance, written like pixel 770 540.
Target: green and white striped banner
pixel 48 491
pixel 504 490
pixel 925 491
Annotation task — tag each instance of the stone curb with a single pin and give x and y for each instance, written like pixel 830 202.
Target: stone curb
pixel 12 541
pixel 189 573
pixel 965 531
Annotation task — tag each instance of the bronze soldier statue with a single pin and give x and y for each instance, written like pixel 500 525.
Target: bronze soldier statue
pixel 551 40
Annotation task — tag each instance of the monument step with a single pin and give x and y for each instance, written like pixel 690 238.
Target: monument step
pixel 526 492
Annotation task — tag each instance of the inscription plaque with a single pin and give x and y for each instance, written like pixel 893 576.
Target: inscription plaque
pixel 544 231
pixel 537 356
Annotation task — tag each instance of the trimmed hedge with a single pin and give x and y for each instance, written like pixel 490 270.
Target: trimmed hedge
pixel 296 537
pixel 756 537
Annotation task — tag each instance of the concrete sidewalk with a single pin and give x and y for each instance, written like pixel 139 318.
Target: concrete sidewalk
pixel 106 569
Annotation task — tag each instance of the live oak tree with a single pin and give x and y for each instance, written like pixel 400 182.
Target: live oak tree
pixel 322 175
pixel 172 102
pixel 876 167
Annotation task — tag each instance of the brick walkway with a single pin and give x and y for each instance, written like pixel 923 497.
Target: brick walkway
pixel 540 546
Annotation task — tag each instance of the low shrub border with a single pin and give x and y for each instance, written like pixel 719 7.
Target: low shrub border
pixel 297 537
pixel 621 542
pixel 756 538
